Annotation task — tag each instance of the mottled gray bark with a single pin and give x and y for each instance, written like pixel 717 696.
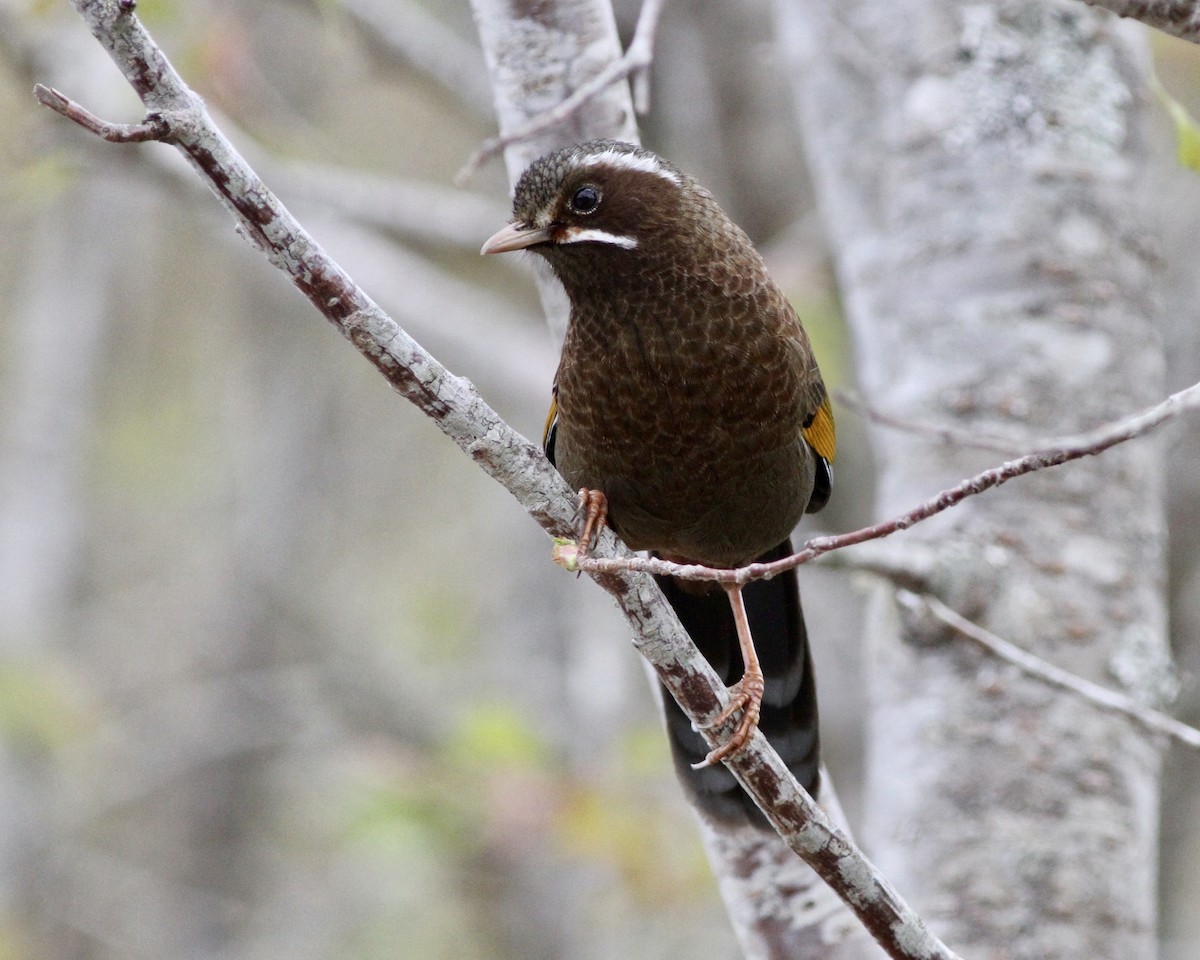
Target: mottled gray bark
pixel 979 169
pixel 779 907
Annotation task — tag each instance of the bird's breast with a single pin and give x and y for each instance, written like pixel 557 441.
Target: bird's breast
pixel 690 422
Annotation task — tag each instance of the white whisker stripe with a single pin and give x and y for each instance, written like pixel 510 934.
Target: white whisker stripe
pixel 633 161
pixel 581 235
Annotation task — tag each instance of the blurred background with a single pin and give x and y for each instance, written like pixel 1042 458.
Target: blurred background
pixel 282 674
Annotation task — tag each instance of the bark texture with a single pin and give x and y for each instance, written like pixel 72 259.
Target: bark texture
pixel 1180 18
pixel 779 907
pixel 979 168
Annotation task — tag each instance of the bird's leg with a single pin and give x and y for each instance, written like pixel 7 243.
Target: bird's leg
pixel 593 504
pixel 745 695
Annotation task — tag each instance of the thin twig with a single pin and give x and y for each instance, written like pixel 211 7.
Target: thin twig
pixel 155 127
pixel 1037 667
pixel 1071 448
pixel 635 64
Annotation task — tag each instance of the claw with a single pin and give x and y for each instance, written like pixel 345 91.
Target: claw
pixel 745 695
pixel 593 504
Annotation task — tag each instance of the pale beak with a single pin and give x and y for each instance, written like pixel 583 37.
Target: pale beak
pixel 515 236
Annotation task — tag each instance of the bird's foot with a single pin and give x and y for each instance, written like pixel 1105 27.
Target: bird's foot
pixel 745 695
pixel 593 504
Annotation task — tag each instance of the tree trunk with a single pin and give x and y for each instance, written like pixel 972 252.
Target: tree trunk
pixel 978 167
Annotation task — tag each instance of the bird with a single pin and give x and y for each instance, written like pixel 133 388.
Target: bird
pixel 689 411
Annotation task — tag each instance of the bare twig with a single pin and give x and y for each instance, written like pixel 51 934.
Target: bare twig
pixel 635 64
pixel 1037 667
pixel 462 414
pixel 155 127
pixel 1180 18
pixel 1070 448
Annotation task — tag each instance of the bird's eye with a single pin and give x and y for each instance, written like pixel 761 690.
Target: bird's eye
pixel 585 199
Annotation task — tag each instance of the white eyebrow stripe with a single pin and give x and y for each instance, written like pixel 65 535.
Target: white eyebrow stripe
pixel 583 235
pixel 633 161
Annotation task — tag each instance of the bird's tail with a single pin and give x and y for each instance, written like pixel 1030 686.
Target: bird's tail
pixel 789 705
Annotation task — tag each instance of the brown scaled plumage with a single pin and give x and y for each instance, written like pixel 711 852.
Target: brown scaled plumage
pixel 687 400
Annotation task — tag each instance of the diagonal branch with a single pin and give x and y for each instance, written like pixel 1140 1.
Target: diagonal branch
pixel 462 414
pixel 1037 667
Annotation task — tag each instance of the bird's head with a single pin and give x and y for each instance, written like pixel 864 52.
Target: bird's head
pixel 605 207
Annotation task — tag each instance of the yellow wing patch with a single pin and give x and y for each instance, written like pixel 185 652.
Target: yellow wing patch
pixel 820 432
pixel 550 418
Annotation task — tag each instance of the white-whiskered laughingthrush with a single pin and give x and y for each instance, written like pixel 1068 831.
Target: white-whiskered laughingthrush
pixel 689 411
